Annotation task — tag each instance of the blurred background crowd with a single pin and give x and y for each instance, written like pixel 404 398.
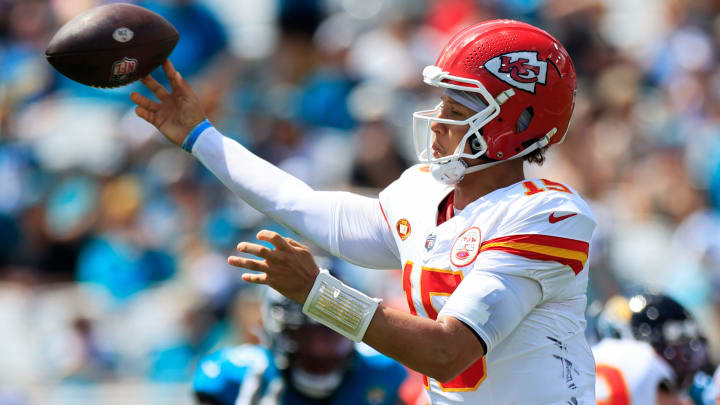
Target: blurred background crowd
pixel 113 243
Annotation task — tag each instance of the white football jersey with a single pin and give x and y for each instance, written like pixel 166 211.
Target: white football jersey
pixel 628 372
pixel 536 229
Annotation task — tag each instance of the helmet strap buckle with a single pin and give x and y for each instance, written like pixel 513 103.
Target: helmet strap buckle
pixel 504 96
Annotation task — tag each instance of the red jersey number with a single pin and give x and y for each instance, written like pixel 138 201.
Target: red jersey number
pixel 435 282
pixel 532 188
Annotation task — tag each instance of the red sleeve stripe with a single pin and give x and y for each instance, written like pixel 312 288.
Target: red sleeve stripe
pixel 554 241
pixel 384 216
pixel 570 252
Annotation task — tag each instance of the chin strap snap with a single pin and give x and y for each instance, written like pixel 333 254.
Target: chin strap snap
pixel 450 172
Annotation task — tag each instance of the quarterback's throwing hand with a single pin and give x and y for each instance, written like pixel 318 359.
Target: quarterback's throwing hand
pixel 178 111
pixel 289 268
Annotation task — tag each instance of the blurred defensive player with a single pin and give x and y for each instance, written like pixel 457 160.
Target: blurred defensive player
pixel 306 363
pixel 494 263
pixel 650 352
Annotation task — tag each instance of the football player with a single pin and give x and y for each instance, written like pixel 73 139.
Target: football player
pixel 651 350
pixel 494 264
pixel 305 363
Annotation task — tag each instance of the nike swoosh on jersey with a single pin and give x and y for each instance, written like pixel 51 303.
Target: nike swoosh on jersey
pixel 553 219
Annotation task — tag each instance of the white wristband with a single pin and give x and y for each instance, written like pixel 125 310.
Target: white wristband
pixel 341 308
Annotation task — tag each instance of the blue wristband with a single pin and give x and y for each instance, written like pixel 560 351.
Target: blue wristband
pixel 194 134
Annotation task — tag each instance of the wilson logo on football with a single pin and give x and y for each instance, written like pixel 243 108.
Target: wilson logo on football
pixel 124 68
pixel 466 248
pixel 519 69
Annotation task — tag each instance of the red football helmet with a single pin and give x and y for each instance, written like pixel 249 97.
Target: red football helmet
pixel 519 71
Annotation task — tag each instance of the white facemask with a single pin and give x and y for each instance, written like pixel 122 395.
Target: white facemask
pixel 451 168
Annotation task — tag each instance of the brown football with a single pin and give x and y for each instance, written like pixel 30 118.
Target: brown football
pixel 112 45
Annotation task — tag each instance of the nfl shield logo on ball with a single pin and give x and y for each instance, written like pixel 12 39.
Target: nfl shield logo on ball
pixel 123 68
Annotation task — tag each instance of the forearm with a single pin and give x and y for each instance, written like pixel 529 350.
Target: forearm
pixel 482 310
pixel 440 349
pixel 338 222
pixel 256 181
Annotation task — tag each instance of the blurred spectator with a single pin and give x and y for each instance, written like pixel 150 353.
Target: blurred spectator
pixel 377 160
pixel 118 259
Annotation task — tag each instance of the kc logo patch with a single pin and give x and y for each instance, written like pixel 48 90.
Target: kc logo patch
pixel 466 248
pixel 403 228
pixel 519 69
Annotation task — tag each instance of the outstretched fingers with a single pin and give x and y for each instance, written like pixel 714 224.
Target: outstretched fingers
pixel 250 264
pixel 254 249
pixel 295 243
pixel 177 83
pixel 275 238
pixel 144 102
pixel 144 114
pixel 157 89
pixel 255 278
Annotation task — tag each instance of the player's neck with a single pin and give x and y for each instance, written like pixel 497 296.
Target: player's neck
pixel 478 184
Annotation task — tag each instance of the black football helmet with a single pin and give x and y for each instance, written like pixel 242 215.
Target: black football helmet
pixel 672 331
pixel 613 321
pixel 313 358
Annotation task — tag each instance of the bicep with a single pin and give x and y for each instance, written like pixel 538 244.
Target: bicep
pixel 492 305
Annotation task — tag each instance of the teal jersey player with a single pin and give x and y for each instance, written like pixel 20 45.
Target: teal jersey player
pixel 304 363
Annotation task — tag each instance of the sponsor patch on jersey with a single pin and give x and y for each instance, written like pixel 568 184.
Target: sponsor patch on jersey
pixel 466 248
pixel 519 69
pixel 425 169
pixel 403 228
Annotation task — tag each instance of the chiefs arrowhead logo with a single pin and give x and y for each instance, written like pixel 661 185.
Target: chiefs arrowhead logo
pixel 519 69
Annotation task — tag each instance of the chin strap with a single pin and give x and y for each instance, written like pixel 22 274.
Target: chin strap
pixel 452 171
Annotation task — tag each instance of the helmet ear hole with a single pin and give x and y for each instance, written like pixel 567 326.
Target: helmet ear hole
pixel 475 144
pixel 524 120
